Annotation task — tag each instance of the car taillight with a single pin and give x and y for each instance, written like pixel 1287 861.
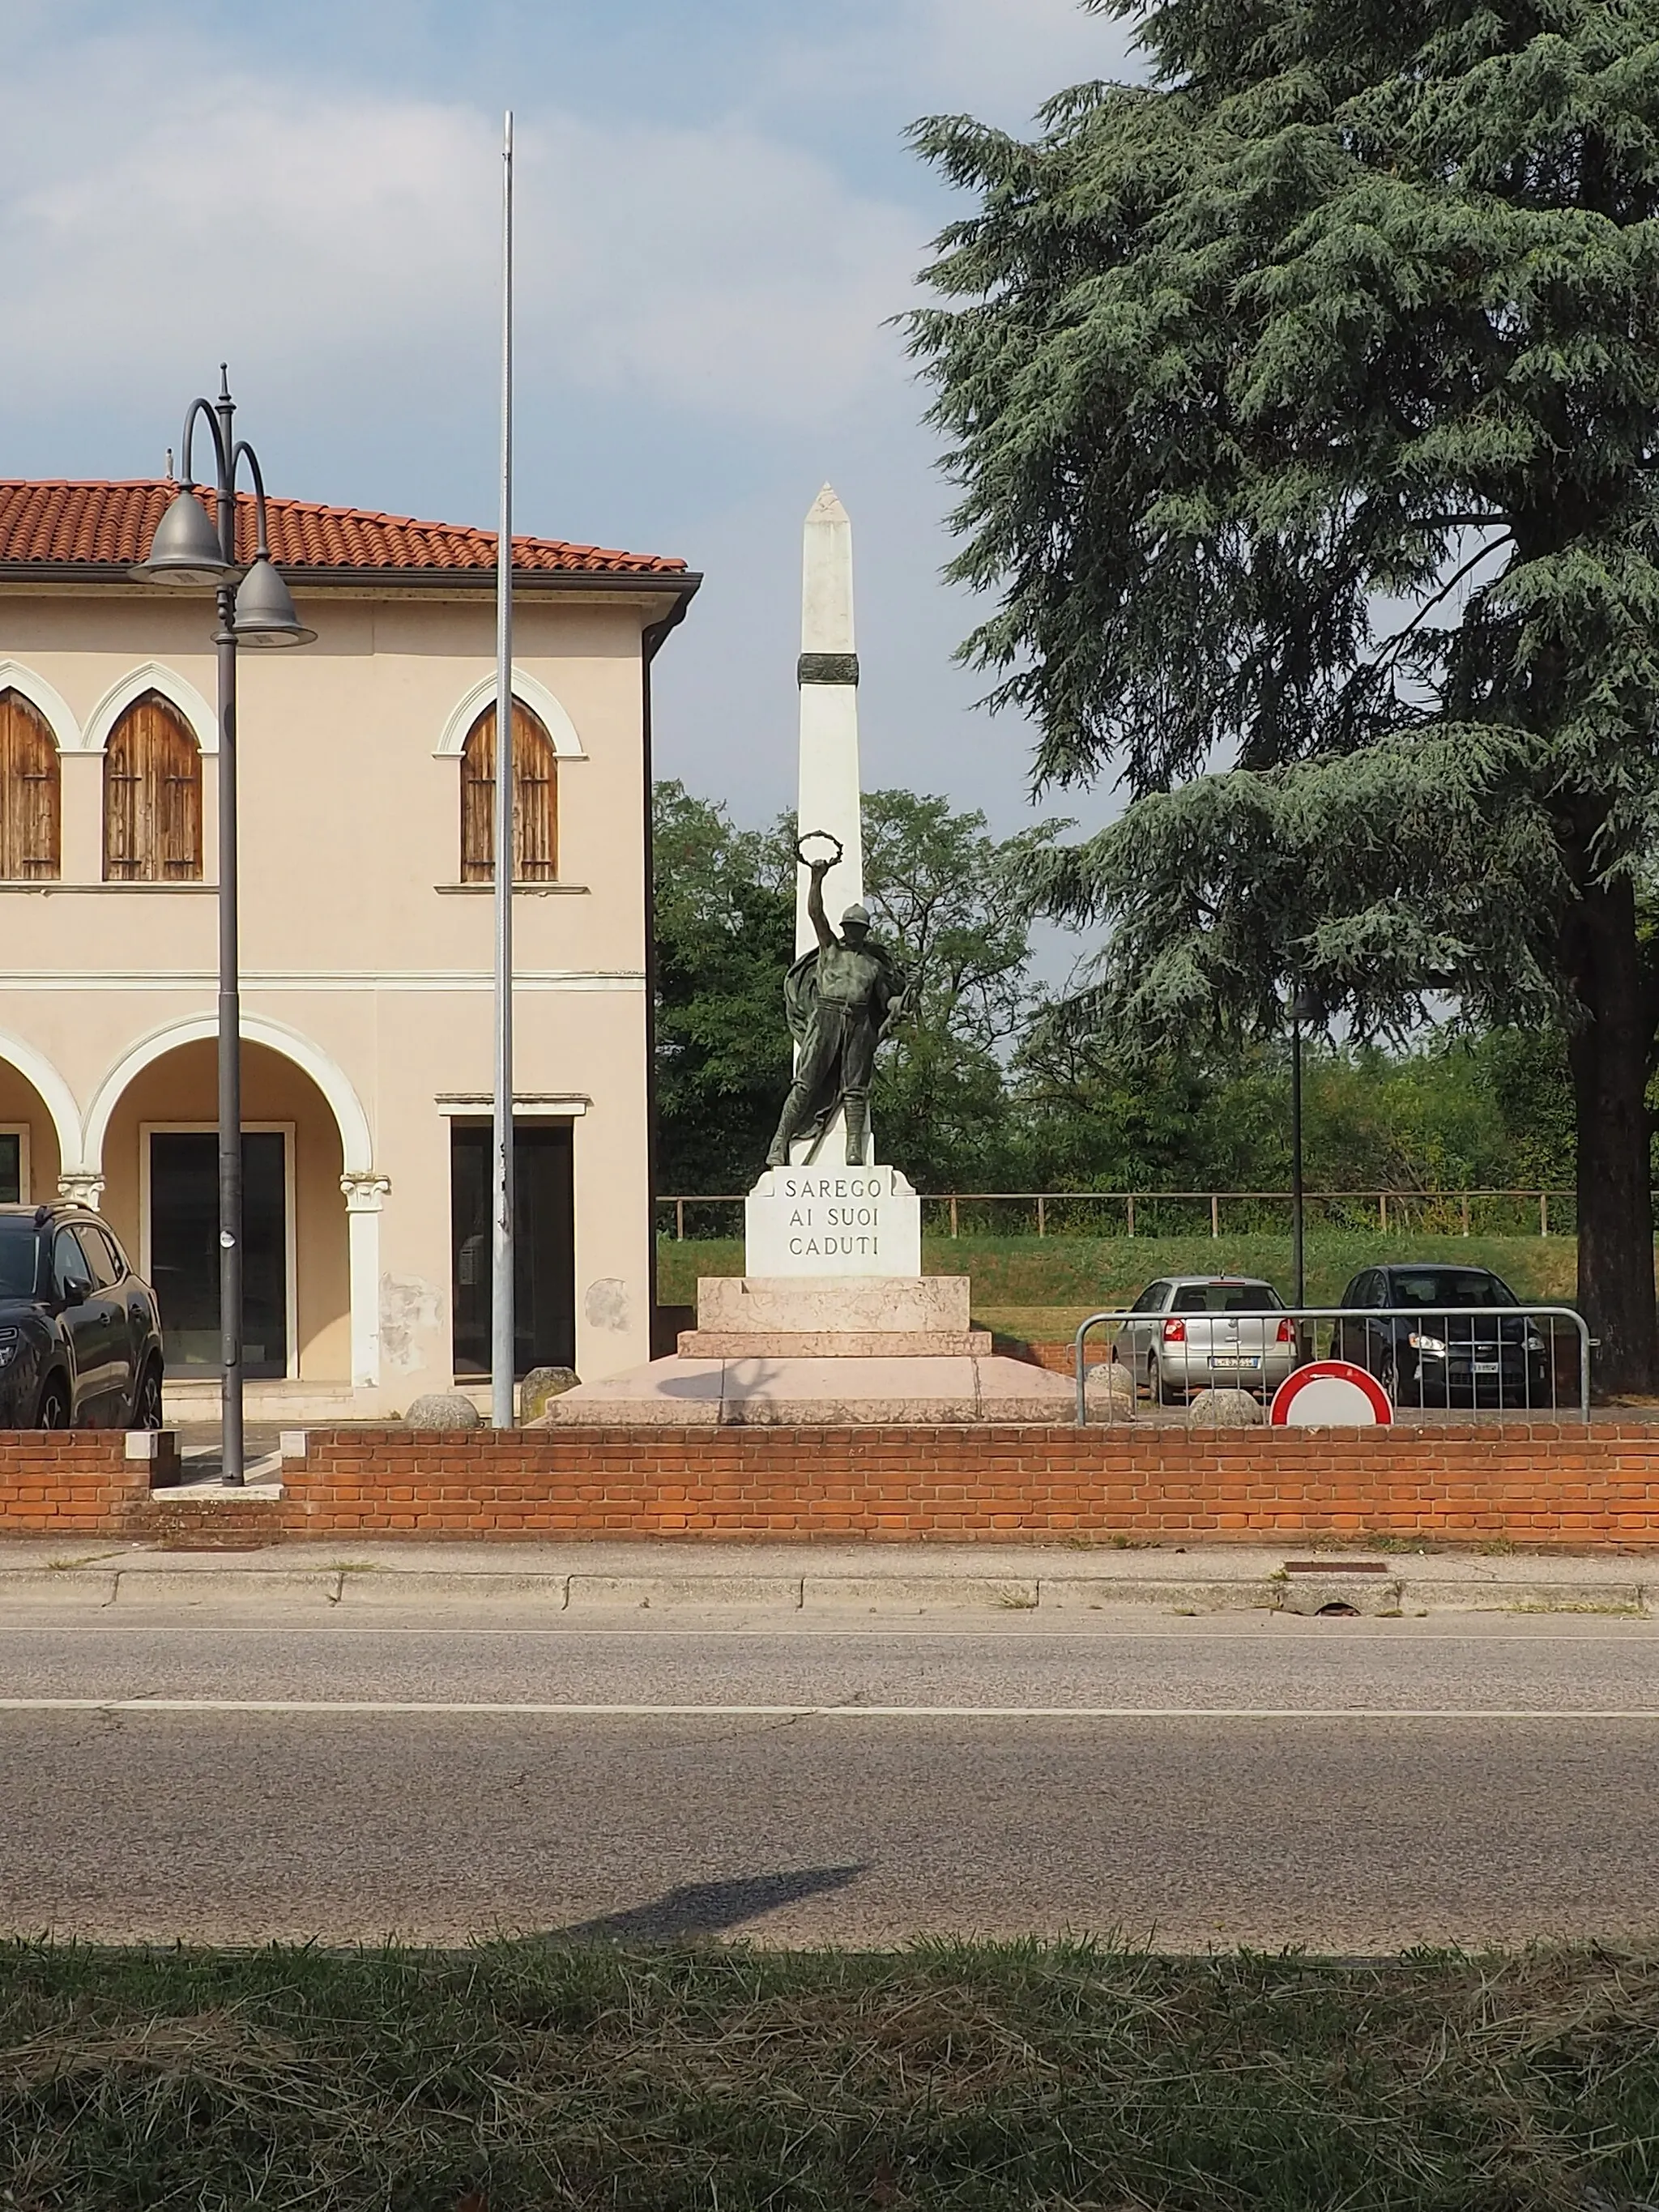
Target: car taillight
pixel 1175 1332
pixel 1286 1333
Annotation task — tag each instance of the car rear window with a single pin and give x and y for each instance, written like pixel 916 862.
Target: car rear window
pixel 1448 1286
pixel 1227 1297
pixel 17 1259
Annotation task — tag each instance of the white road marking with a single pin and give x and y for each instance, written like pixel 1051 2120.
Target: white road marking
pixel 1531 1629
pixel 422 1706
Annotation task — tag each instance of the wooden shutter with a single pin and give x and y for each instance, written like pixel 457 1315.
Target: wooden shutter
pixel 152 797
pixel 535 801
pixel 30 798
pixel 478 801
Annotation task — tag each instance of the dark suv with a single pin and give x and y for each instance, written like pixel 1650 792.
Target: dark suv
pixel 80 1334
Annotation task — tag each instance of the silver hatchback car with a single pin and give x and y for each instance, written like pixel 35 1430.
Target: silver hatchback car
pixel 1207 1332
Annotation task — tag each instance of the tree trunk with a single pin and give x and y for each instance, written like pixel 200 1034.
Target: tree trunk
pixel 1609 1059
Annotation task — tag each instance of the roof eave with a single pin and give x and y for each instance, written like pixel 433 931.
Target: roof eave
pixel 682 584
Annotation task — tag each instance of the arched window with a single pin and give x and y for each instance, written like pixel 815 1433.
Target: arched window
pixel 29 794
pixel 152 797
pixel 535 801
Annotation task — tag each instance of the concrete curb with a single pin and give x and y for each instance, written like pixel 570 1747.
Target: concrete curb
pixel 144 1583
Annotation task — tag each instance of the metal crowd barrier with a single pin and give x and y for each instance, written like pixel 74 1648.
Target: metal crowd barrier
pixel 1439 1359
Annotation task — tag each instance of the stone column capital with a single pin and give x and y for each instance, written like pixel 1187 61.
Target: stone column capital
pixel 365 1191
pixel 82 1186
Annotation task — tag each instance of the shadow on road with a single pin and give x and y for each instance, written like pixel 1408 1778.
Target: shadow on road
pixel 707 1908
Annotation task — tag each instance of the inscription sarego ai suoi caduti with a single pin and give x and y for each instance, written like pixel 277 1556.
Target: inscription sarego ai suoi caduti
pixel 834 1216
pixel 833 1220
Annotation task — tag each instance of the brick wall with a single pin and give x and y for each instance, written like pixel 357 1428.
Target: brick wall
pixel 1057 1358
pixel 228 1523
pixel 1541 1485
pixel 1538 1486
pixel 76 1484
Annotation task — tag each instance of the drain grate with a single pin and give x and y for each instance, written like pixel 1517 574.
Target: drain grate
pixel 1337 1567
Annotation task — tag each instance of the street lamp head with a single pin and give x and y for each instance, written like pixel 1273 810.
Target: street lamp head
pixel 265 612
pixel 186 549
pixel 1305 1007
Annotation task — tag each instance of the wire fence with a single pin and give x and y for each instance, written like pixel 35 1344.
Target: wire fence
pixel 1214 1214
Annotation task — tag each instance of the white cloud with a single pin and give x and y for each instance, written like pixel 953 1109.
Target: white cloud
pixel 997 59
pixel 328 236
pixel 313 233
pixel 719 265
pixel 1003 59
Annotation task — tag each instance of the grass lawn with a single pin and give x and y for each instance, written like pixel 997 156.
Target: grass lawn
pixel 539 2077
pixel 1042 1287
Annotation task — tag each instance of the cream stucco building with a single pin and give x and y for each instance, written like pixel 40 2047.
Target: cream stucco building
pixel 366 773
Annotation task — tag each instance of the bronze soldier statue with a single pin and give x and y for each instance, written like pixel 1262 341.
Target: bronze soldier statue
pixel 840 1000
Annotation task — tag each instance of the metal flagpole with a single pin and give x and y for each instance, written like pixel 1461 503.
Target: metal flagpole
pixel 232 1441
pixel 501 1361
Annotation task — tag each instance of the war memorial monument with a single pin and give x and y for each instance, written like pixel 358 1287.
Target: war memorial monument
pixel 833 1320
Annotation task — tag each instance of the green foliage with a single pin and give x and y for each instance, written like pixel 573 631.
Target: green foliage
pixel 724 927
pixel 944 897
pixel 1350 295
pixel 1306 408
pixel 1492 1112
pixel 949 898
pixel 1065 1110
pixel 1091 1120
pixel 1530 1085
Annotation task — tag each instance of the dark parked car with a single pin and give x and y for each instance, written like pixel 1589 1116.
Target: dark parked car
pixel 80 1334
pixel 1441 1348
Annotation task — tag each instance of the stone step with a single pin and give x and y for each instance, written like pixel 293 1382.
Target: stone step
pixel 750 1392
pixel 813 1305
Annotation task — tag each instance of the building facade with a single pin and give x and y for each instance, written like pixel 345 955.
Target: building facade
pixel 366 794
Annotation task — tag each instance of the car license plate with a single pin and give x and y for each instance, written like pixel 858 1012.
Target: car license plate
pixel 1233 1359
pixel 1486 1367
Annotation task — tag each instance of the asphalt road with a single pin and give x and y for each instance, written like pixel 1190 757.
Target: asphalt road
pixel 1349 1785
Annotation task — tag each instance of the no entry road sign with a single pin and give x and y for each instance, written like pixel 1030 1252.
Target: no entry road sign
pixel 1331 1393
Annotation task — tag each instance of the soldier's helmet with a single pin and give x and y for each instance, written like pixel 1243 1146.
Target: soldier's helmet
pixel 856 913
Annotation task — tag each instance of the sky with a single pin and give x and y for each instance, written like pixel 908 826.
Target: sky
pixel 718 219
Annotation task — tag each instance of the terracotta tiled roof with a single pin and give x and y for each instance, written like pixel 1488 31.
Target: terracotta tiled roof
pixel 108 525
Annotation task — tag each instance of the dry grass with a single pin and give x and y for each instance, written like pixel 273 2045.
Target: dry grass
pixel 534 2075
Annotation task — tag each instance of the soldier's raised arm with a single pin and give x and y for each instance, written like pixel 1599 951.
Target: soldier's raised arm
pixel 815 915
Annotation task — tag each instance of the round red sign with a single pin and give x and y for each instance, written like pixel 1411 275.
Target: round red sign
pixel 1331 1393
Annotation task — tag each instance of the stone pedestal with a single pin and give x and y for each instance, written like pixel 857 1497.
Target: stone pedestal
pixel 833 1222
pixel 833 1317
pixel 828 1351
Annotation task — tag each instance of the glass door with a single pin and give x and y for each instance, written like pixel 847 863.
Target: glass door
pixel 544 1247
pixel 183 1248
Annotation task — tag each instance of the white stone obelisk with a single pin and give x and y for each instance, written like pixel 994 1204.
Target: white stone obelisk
pixel 823 1216
pixel 830 797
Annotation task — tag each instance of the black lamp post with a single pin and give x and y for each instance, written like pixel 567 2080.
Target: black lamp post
pixel 1303 1009
pixel 190 553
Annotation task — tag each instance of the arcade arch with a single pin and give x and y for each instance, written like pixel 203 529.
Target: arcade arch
pixel 311 1201
pixel 37 1107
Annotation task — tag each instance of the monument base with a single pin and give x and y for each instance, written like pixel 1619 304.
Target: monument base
pixel 829 1339
pixel 833 1222
pixel 838 1393
pixel 833 1317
